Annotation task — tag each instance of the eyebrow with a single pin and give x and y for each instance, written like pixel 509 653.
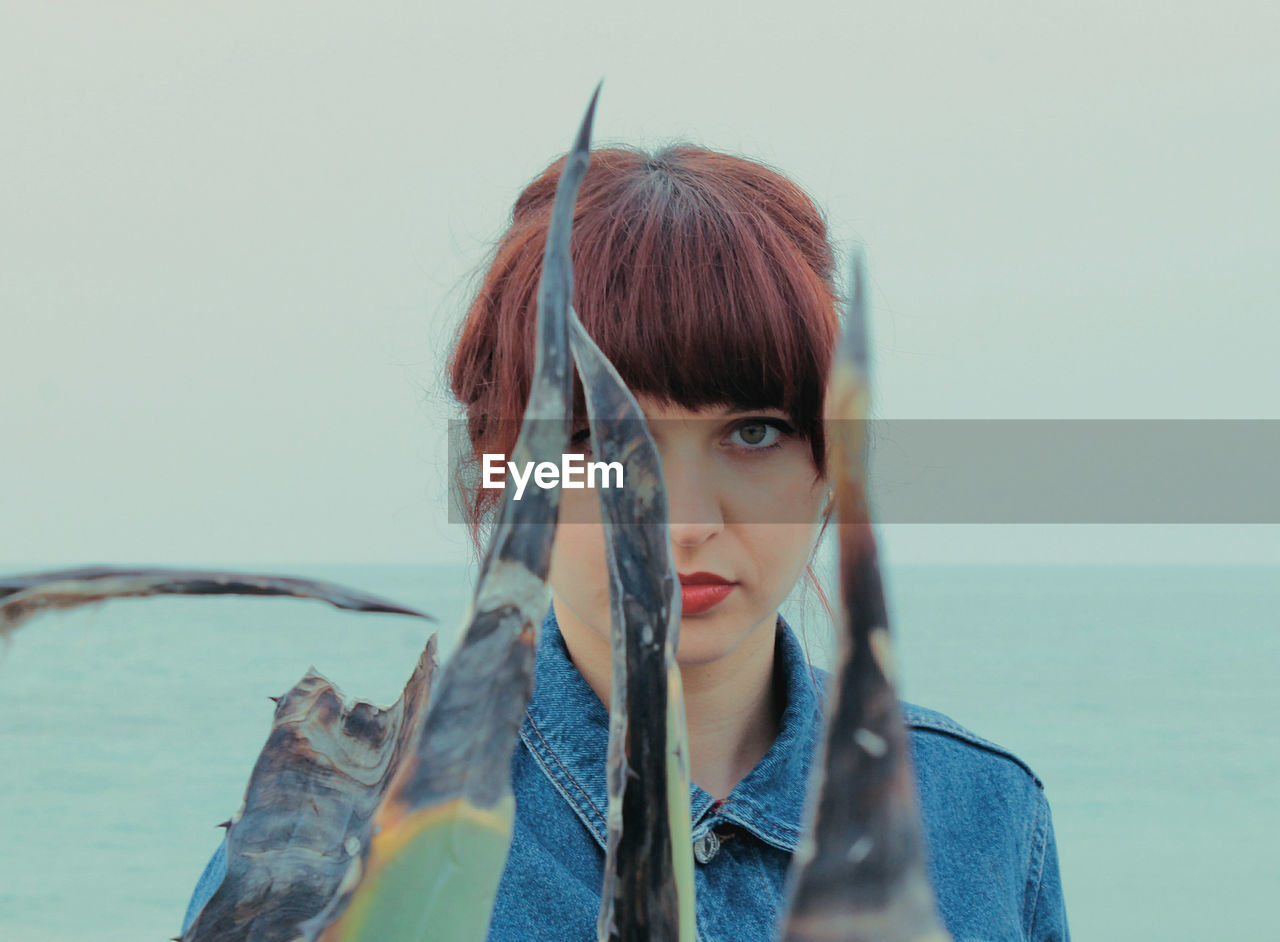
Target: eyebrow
pixel 735 411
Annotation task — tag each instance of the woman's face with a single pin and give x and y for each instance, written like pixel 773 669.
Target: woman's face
pixel 745 503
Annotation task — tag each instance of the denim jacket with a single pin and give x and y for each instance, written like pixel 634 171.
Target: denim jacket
pixel 992 856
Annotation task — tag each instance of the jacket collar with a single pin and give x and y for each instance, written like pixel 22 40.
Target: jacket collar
pixel 566 727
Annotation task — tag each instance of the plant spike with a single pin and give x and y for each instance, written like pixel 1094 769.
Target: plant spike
pixel 859 872
pixel 319 779
pixel 437 846
pixel 321 774
pixel 23 597
pixel 648 892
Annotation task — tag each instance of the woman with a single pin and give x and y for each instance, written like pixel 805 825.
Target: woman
pixel 707 280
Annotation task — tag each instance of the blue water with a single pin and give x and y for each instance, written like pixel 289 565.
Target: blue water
pixel 1144 697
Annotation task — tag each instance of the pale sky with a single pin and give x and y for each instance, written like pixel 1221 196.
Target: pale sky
pixel 236 237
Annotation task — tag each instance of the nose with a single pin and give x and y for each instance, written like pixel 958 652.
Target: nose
pixel 693 501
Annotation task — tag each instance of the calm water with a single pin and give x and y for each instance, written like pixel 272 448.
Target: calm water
pixel 1144 697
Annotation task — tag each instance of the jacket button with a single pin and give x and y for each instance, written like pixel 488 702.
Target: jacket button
pixel 706 847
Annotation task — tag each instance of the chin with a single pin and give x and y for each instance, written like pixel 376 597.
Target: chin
pixel 699 655
pixel 706 640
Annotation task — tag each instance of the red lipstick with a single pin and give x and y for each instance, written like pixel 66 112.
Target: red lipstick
pixel 700 591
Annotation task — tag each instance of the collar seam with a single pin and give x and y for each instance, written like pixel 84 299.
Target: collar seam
pixel 773 833
pixel 598 820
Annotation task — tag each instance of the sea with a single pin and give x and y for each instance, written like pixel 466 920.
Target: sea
pixel 1145 698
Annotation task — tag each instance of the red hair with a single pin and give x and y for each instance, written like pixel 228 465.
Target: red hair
pixel 705 278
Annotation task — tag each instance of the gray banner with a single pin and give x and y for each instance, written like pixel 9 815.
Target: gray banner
pixel 1060 471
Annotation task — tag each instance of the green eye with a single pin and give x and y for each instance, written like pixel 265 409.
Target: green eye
pixel 757 434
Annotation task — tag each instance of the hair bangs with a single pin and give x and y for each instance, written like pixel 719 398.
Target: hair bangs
pixel 698 299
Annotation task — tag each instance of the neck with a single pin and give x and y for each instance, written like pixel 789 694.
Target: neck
pixel 731 706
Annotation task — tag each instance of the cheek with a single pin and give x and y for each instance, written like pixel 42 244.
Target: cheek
pixel 784 530
pixel 782 489
pixel 780 552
